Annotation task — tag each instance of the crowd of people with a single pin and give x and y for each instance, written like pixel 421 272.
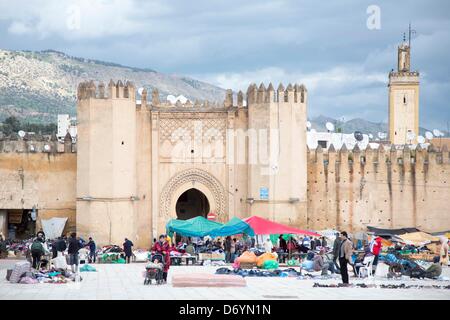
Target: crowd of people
pixel 324 258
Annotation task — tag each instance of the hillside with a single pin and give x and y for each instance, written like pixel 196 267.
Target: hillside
pixel 36 86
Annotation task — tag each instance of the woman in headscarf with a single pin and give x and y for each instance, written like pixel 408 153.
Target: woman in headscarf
pixel 163 247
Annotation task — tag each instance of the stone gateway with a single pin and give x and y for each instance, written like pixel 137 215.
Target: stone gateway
pixel 138 163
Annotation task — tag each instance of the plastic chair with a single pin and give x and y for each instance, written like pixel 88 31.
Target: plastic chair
pixel 367 266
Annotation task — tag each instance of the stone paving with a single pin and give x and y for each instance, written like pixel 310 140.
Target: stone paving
pixel 115 281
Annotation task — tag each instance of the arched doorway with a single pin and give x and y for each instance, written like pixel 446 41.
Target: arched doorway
pixel 192 203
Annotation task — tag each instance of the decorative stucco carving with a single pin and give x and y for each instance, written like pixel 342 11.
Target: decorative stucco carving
pixel 197 176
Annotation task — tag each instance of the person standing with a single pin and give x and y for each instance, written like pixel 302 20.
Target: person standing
pixel 307 242
pixel 318 242
pixel 345 256
pixel 268 246
pixel 336 246
pixel 55 248
pixel 233 250
pixel 313 243
pixel 162 247
pixel 375 248
pixel 74 248
pixel 323 242
pixel 283 244
pixel 127 248
pixel 443 252
pixel 37 251
pixel 227 248
pixel 92 248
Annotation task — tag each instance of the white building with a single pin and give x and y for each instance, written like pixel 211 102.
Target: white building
pixel 66 124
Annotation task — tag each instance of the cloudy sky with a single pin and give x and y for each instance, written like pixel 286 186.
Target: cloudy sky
pixel 328 47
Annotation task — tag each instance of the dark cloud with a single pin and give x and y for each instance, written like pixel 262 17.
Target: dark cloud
pixel 230 43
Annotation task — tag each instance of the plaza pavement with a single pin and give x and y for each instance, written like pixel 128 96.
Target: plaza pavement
pixel 118 281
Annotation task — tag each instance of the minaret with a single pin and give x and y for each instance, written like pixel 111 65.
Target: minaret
pixel 403 99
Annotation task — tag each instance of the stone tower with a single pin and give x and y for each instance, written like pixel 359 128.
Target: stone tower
pixel 403 100
pixel 106 162
pixel 277 163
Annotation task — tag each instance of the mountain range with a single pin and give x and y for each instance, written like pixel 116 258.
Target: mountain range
pixel 35 86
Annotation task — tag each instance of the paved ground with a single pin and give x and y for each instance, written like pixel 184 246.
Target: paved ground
pixel 113 281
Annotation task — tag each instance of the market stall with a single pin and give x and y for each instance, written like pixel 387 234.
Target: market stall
pixel 202 227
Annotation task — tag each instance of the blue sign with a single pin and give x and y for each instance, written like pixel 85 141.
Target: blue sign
pixel 264 193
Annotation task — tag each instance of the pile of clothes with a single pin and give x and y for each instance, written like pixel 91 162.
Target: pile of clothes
pixel 382 286
pixel 111 254
pixel 16 248
pixel 289 272
pixel 22 273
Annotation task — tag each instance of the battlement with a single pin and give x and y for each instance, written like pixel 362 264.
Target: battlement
pixel 393 155
pixel 292 94
pixel 36 144
pixel 115 90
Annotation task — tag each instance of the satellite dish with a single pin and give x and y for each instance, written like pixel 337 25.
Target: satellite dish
pixel 308 124
pixel 329 126
pixel 182 99
pixel 420 139
pixel 358 135
pixel 436 133
pixel 410 135
pixel 428 135
pixel 381 135
pixel 370 136
pixel 140 90
pixel 21 133
pixel 47 147
pixel 172 99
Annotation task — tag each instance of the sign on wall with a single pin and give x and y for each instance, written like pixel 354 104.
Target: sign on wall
pixel 264 193
pixel 211 216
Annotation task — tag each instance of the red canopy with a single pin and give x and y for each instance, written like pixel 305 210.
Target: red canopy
pixel 264 226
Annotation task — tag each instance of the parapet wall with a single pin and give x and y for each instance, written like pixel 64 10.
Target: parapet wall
pixel 349 190
pixel 293 93
pixel 114 90
pixel 41 145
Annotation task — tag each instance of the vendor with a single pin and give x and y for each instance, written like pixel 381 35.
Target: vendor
pixel 434 270
pixel 162 247
pixel 443 253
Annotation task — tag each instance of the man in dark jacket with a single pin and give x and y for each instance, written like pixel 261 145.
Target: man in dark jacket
pixel 227 248
pixel 127 245
pixel 74 247
pixel 336 246
pixel 92 247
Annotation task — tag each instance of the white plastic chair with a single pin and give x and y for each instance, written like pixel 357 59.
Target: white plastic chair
pixel 367 266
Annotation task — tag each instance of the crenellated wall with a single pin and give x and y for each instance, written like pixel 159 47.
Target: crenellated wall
pixel 387 188
pixel 39 173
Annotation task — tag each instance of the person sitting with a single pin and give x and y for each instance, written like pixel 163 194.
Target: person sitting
pixel 435 270
pixel 362 260
pixel 319 264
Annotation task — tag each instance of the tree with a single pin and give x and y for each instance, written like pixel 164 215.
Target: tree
pixel 10 125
